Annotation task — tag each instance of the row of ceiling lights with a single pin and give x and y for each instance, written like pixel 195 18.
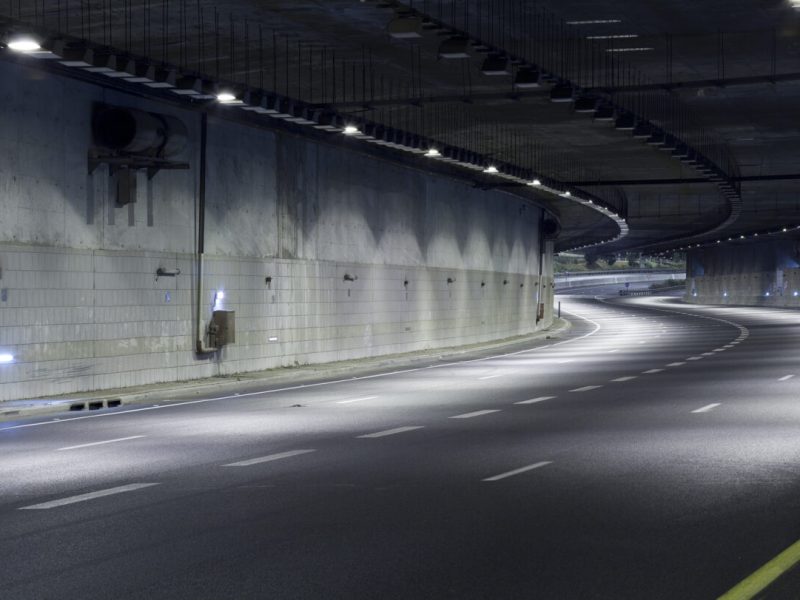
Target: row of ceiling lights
pixel 196 88
pixel 732 238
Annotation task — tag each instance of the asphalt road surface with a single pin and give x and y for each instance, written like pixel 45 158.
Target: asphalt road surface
pixel 651 453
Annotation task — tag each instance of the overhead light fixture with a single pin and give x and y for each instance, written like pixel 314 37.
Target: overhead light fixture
pixel 226 97
pixel 535 183
pixel 640 49
pixel 585 104
pixel 595 22
pixel 625 122
pixel 604 114
pixel 618 36
pixel 351 130
pixel 6 358
pixel 491 169
pixel 405 28
pixel 24 43
pixel 526 78
pixel 561 92
pixel 454 47
pixel 495 65
pixel 433 153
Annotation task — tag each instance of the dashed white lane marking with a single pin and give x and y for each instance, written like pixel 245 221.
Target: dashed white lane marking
pixel 489 377
pixel 586 388
pixel 785 377
pixel 728 346
pixel 695 358
pixel 394 431
pixel 535 400
pixel 642 342
pixel 518 471
pixel 563 362
pixel 718 350
pixel 707 408
pixel 614 350
pixel 351 400
pixel 125 439
pixel 131 487
pixel 627 378
pixel 707 354
pixel 268 458
pixel 477 413
pixel 649 371
pixel 676 364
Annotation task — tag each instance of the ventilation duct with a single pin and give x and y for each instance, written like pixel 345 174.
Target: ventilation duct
pixel 138 132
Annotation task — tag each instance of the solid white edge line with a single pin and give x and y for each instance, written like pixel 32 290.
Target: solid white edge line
pixel 131 487
pixel 707 407
pixel 312 385
pixel 268 458
pixel 132 437
pixel 785 377
pixel 489 376
pixel 518 471
pixel 477 413
pixel 385 432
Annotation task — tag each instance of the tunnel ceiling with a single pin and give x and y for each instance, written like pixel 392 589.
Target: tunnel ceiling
pixel 719 81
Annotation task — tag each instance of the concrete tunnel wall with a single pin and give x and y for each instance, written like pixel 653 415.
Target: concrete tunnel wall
pixel 81 307
pixel 765 273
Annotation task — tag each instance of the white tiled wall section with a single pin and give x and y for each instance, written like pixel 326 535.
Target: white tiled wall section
pixel 109 322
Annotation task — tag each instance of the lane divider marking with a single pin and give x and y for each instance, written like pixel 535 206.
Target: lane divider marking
pixel 385 432
pixel 586 388
pixel 626 378
pixel 649 371
pixel 351 400
pixel 535 400
pixel 518 471
pixel 707 407
pixel 268 458
pixel 676 364
pixel 132 487
pixel 477 413
pixel 489 376
pixel 125 439
pixel 785 377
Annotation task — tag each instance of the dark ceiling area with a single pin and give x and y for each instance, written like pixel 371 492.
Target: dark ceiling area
pixel 681 117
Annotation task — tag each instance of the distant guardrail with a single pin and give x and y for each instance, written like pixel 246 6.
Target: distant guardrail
pixel 568 274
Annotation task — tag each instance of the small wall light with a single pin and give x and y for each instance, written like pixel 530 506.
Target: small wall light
pixel 505 281
pixel 268 280
pixel 450 280
pixel 162 272
pixel 6 358
pixel 348 277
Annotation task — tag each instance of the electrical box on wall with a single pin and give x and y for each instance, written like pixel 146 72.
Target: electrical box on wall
pixel 222 329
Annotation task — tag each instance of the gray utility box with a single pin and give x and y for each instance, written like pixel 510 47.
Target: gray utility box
pixel 222 329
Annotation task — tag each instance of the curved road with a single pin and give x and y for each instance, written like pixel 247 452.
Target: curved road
pixel 650 453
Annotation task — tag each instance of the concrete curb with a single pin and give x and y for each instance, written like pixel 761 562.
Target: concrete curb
pixel 92 401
